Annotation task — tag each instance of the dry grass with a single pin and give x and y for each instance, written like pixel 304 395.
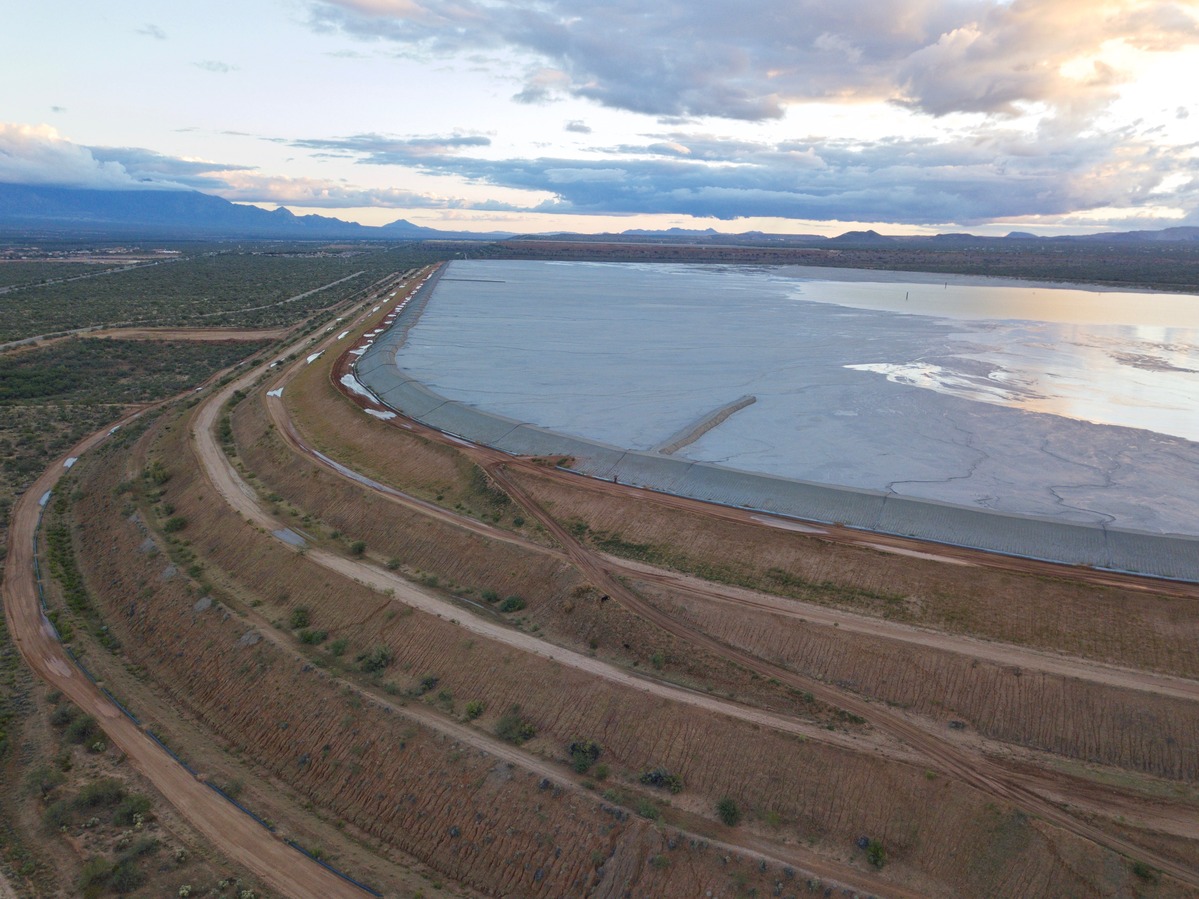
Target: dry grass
pixel 1066 716
pixel 334 735
pixel 1138 629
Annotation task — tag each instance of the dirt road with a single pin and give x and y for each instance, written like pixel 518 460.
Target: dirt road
pixel 235 834
pixel 1026 659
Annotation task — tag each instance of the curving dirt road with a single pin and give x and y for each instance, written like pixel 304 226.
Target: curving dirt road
pixel 243 841
pixel 236 835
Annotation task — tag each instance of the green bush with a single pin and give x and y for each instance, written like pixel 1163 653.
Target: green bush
pixel 100 794
pixel 727 811
pixel 490 596
pixel 57 814
pixel 647 809
pixel 583 754
pixel 83 730
pixel 313 638
pixel 474 709
pixel 372 661
pixel 338 647
pixel 663 779
pixel 173 524
pixel 1144 871
pixel 876 854
pixel 514 728
pixel 300 617
pixel 130 807
pixel 43 780
pixel 94 878
pixel 512 604
pixel 358 547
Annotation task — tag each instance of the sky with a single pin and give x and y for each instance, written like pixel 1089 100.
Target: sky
pixel 785 116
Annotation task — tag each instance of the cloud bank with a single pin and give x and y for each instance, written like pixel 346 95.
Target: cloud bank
pixel 715 58
pixel 988 175
pixel 36 154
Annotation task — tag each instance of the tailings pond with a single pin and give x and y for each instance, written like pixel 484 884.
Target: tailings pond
pixel 1073 406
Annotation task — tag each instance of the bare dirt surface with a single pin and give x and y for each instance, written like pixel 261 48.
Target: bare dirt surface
pixel 1002 653
pixel 240 838
pixel 205 335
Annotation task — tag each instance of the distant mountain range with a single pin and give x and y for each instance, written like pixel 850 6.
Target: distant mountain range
pixel 184 214
pixel 37 209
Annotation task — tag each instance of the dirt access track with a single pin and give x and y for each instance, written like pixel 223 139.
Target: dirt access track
pixel 234 833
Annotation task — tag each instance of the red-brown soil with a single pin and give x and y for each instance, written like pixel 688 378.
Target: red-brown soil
pixel 817 692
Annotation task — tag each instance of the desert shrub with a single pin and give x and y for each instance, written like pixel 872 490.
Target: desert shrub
pixel 43 780
pixel 338 647
pixel 727 811
pixel 647 809
pixel 514 728
pixel 300 617
pixel 876 854
pixel 490 596
pixel 512 604
pixel 129 808
pixel 1144 871
pixel 474 709
pixel 83 730
pixel 663 779
pixel 313 638
pixel 358 547
pixel 93 879
pixel 174 523
pixel 57 814
pixel 583 754
pixel 126 877
pixel 63 715
pixel 427 683
pixel 374 660
pixel 157 473
pixel 100 794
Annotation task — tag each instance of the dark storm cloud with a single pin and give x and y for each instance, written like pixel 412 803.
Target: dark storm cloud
pixel 680 58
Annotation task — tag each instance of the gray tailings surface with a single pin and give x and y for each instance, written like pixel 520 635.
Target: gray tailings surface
pixel 1166 556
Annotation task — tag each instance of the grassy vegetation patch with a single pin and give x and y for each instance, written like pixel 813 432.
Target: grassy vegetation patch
pixel 87 370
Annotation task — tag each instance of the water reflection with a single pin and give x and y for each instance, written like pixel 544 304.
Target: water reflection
pixel 1143 375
